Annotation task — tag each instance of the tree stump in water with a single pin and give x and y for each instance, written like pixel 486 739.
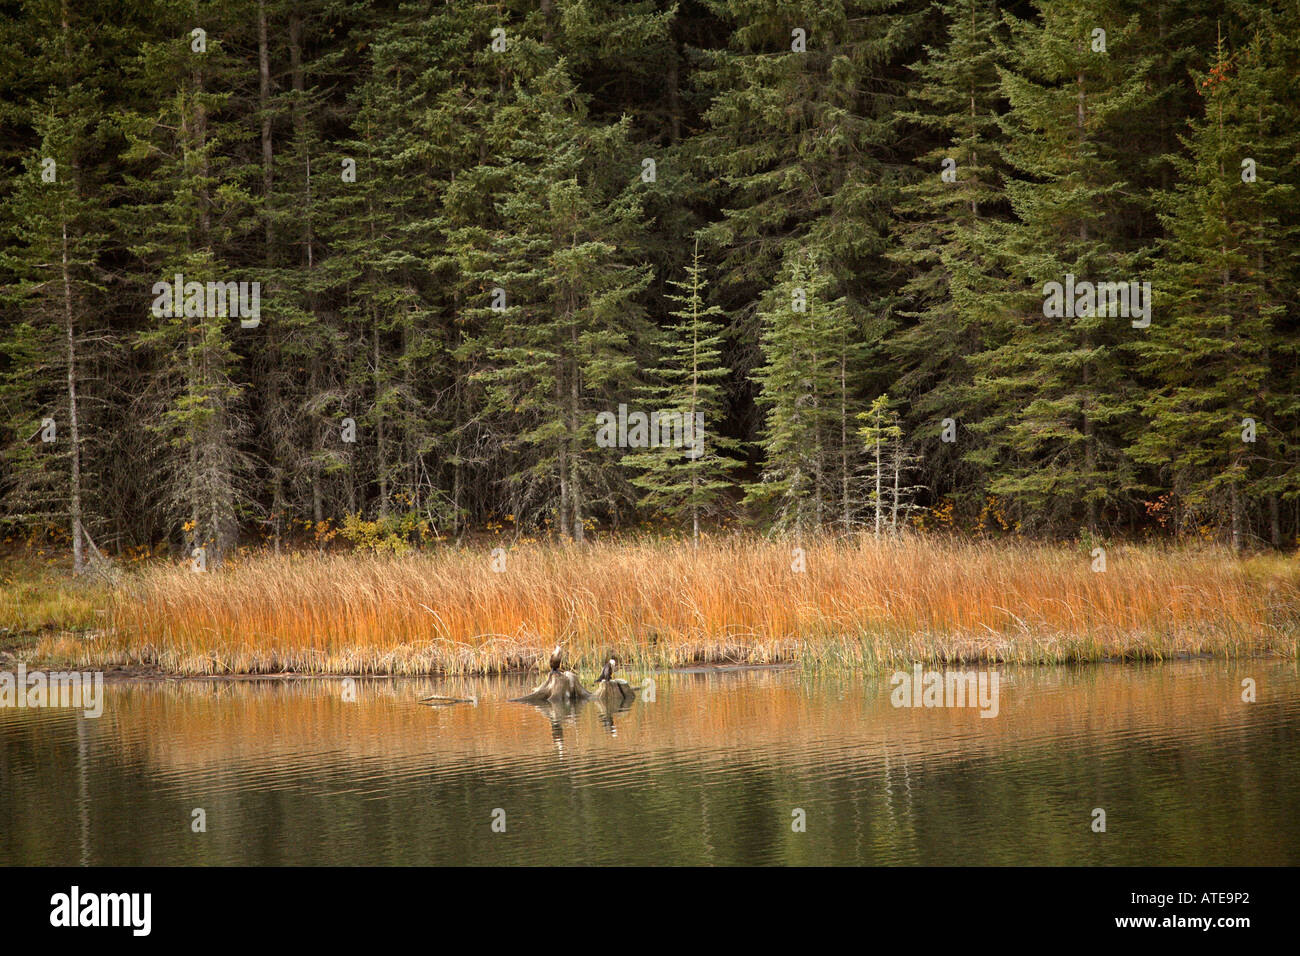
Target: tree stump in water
pixel 565 686
pixel 558 686
pixel 615 692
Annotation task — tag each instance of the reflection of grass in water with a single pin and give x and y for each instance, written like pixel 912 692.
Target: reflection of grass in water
pixel 201 725
pixel 861 604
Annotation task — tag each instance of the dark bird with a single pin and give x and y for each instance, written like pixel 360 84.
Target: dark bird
pixel 557 658
pixel 608 672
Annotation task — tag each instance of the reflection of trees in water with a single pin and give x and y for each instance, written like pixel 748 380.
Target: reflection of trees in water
pixel 707 774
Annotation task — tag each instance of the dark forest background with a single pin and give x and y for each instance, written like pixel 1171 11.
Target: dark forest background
pixel 825 226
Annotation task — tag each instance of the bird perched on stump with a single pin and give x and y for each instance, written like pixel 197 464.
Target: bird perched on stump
pixel 608 672
pixel 557 658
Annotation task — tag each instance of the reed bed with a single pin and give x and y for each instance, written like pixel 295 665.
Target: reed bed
pixel 861 604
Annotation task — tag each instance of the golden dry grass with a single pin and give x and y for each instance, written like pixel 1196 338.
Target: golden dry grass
pixel 861 603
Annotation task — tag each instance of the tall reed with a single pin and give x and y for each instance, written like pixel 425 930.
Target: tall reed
pixel 861 603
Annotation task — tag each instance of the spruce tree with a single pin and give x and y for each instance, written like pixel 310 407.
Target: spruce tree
pixel 382 191
pixel 941 228
pixel 55 261
pixel 57 348
pixel 562 321
pixel 190 207
pixel 1225 282
pixel 809 386
pixel 1058 401
pixel 688 484
pixel 803 144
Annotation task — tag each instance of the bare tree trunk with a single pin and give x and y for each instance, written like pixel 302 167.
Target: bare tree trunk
pixel 898 467
pixel 1236 519
pixel 1089 438
pixel 879 511
pixel 974 159
pixel 264 103
pixel 210 445
pixel 547 30
pixel 674 91
pixel 74 431
pixel 695 507
pixel 563 457
pixel 695 367
pixel 74 490
pixel 381 438
pixel 820 464
pixel 844 441
pixel 575 479
pixel 299 130
pixel 300 122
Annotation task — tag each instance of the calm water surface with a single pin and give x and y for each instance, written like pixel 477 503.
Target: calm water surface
pixel 710 772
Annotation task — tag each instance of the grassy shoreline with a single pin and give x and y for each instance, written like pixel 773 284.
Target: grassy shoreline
pixel 860 604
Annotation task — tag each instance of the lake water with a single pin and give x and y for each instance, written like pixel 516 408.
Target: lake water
pixel 711 771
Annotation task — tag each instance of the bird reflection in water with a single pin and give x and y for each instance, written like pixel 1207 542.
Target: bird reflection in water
pixel 560 713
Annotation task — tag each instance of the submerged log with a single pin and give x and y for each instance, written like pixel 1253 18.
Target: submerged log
pixel 558 686
pixel 435 699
